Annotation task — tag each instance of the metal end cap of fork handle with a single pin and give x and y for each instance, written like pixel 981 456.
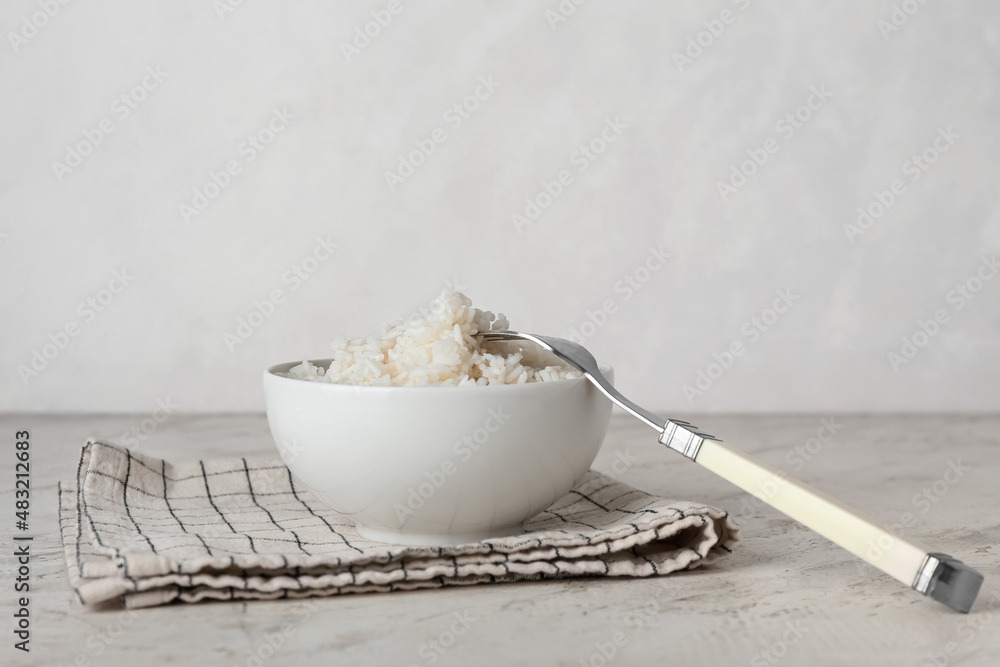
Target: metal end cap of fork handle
pixel 949 580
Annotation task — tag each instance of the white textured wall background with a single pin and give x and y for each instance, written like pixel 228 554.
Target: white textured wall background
pixel 163 336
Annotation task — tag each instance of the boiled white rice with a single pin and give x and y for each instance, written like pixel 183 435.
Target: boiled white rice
pixel 436 348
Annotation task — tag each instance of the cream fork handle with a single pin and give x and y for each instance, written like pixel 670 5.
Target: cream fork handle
pixel 936 575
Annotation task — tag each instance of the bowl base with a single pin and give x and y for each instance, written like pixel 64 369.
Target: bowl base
pixel 417 539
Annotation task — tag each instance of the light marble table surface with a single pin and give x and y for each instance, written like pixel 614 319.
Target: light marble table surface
pixel 785 596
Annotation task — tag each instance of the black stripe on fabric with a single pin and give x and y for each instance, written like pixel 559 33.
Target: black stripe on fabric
pixel 557 515
pixel 253 497
pixel 270 516
pixel 111 524
pixel 170 522
pixel 101 473
pixel 299 543
pixel 122 562
pixel 241 536
pixel 203 543
pixel 609 501
pixel 291 484
pixel 166 500
pixel 644 509
pixel 568 521
pixel 586 497
pixel 190 477
pixel 635 551
pixel 189 513
pixel 208 493
pixel 128 512
pixel 61 532
pixel 79 514
pixel 297 539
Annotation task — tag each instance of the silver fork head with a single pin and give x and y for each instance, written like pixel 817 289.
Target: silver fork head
pixel 579 356
pixel 572 352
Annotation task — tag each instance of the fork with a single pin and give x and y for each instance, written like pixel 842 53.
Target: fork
pixel 933 574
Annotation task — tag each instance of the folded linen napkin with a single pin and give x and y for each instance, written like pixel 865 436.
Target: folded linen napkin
pixel 150 532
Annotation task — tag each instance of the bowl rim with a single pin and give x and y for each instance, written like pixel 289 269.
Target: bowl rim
pixel 271 375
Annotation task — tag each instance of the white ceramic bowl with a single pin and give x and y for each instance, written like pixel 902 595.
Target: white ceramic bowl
pixel 436 465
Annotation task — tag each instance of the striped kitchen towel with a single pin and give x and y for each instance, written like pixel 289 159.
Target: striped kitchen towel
pixel 150 532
